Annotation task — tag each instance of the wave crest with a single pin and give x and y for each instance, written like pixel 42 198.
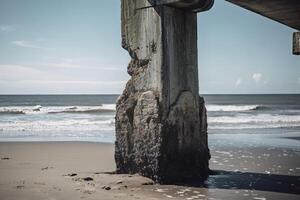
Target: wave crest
pixel 254 121
pixel 234 108
pixel 56 109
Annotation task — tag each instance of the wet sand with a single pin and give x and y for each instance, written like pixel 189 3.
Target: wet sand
pixel 77 170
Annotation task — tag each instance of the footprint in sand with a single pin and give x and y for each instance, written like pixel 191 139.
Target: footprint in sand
pixel 46 168
pixel 39 183
pixel 21 185
pixel 86 184
pixel 70 175
pixel 56 188
pixel 88 179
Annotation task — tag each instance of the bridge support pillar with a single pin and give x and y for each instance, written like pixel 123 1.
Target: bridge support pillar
pixel 161 124
pixel 296 43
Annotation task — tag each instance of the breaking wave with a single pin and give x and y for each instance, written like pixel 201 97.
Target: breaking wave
pixel 112 108
pixel 99 118
pixel 254 121
pixel 56 109
pixel 60 125
pixel 234 108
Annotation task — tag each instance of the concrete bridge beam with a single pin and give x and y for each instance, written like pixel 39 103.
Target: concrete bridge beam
pixel 194 5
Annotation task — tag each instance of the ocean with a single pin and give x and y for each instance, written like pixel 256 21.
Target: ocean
pixel 91 117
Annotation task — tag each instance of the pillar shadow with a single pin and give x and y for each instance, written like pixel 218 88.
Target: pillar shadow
pixel 250 181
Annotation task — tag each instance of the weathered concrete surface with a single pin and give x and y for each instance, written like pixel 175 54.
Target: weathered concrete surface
pixel 284 11
pixel 161 128
pixel 296 43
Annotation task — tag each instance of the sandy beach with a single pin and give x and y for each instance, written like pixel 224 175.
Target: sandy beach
pixel 80 170
pixel 149 100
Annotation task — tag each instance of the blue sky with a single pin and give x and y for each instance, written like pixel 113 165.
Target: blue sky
pixel 74 46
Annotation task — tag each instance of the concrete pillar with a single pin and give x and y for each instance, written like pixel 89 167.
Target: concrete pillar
pixel 296 43
pixel 161 127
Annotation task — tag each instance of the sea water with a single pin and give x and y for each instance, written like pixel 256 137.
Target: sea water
pixel 92 117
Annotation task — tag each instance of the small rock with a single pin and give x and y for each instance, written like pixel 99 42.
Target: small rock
pixel 119 182
pixel 122 187
pixel 106 187
pixel 72 174
pixel 46 168
pixel 88 179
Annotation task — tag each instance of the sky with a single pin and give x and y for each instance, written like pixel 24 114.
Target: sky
pixel 74 47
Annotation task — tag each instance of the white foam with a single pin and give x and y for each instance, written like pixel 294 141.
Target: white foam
pixel 231 108
pixel 254 121
pixel 56 109
pixel 59 125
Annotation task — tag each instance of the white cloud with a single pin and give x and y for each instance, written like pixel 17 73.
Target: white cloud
pixel 66 65
pixel 6 28
pixel 27 44
pixel 17 72
pixel 22 43
pixel 238 82
pixel 69 63
pixel 76 82
pixel 257 77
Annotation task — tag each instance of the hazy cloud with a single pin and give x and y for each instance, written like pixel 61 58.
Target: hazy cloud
pixel 71 63
pixel 77 66
pixel 72 82
pixel 257 77
pixel 238 82
pixel 17 72
pixel 6 28
pixel 27 44
pixel 32 79
pixel 61 87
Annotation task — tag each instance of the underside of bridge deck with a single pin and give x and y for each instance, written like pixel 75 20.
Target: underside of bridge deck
pixel 284 11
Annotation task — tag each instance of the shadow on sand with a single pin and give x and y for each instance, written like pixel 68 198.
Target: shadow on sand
pixel 250 181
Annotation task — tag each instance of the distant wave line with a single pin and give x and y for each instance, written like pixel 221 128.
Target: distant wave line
pixel 235 108
pixel 56 109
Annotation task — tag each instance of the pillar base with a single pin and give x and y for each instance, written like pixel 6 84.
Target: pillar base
pixel 296 43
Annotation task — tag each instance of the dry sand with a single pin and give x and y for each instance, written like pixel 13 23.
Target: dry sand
pixel 76 170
